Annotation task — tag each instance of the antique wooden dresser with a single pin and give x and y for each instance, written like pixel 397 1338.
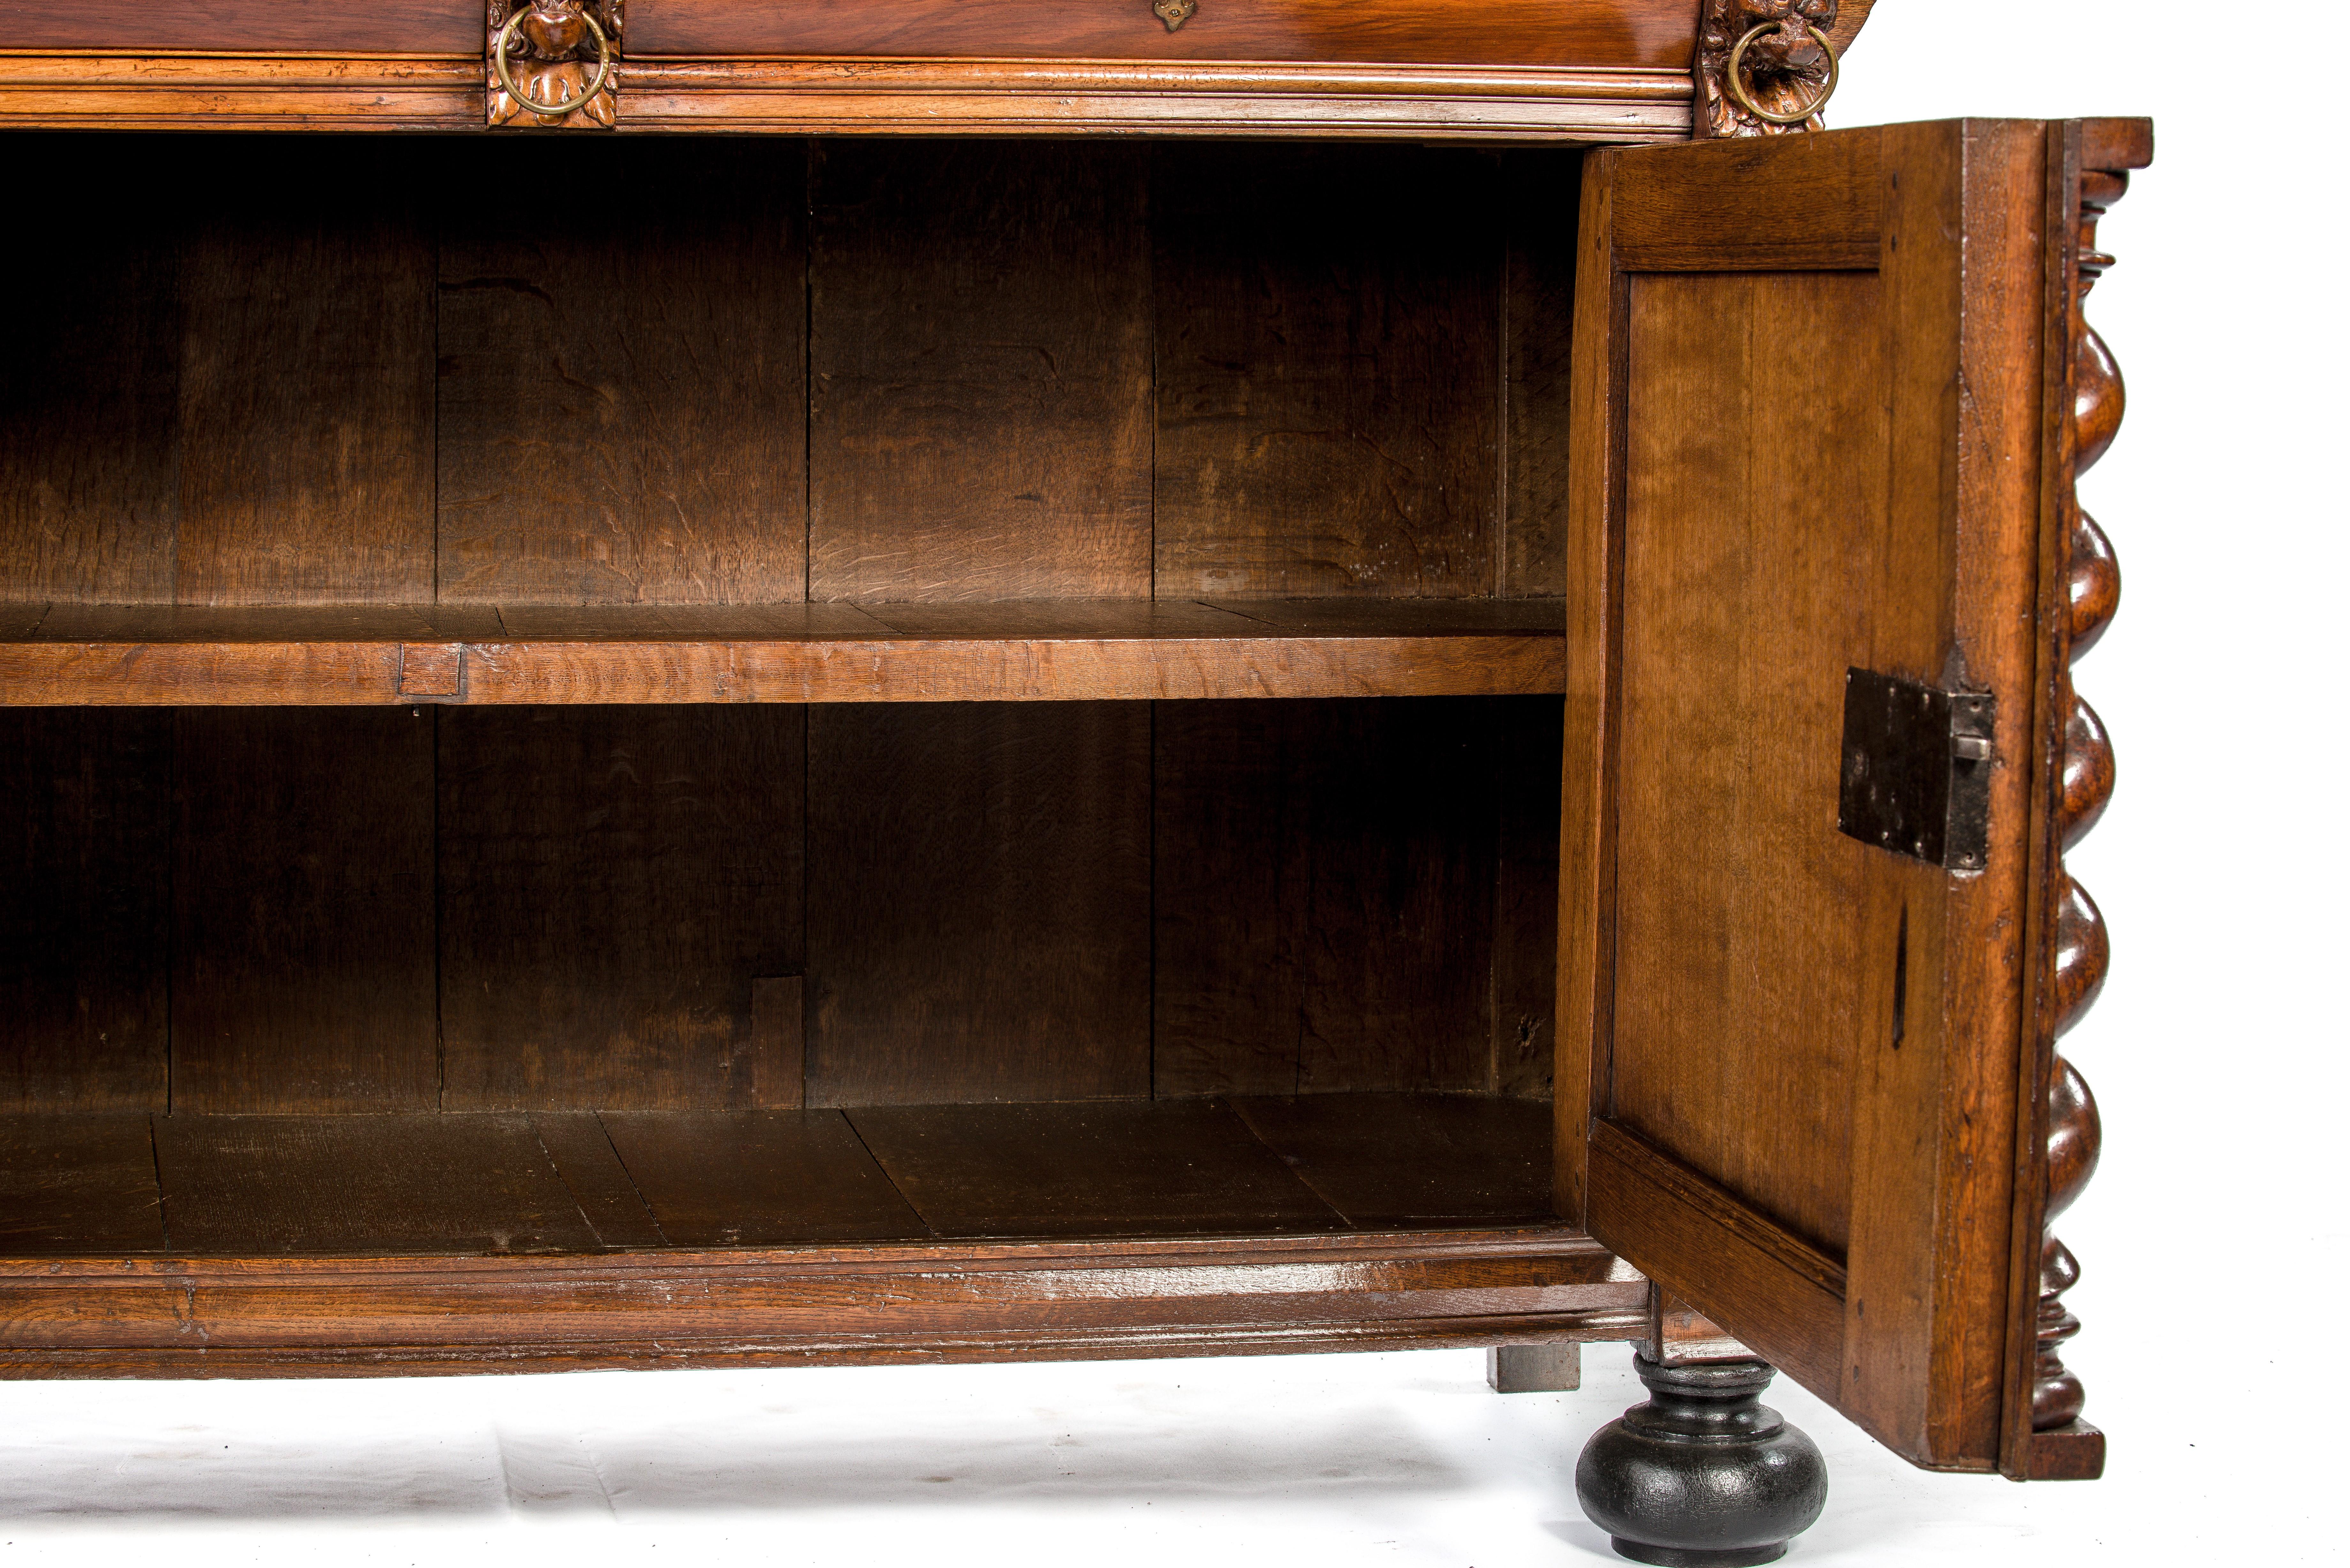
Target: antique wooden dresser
pixel 757 681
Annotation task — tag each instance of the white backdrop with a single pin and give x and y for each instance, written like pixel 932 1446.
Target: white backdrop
pixel 2218 1062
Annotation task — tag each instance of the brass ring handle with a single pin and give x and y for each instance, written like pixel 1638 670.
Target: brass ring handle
pixel 506 78
pixel 1737 85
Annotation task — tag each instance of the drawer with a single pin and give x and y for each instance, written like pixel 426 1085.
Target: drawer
pixel 1631 34
pixel 1653 35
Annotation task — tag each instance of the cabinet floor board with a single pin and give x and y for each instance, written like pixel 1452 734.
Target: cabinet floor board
pixel 1401 1161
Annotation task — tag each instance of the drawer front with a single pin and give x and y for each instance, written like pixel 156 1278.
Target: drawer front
pixel 1652 35
pixel 247 27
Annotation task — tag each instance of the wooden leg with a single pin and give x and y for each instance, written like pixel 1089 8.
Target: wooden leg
pixel 1703 1474
pixel 1534 1369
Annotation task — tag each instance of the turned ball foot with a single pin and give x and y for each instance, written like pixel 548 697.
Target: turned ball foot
pixel 1703 1474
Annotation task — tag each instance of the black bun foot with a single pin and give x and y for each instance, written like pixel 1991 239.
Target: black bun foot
pixel 1703 1474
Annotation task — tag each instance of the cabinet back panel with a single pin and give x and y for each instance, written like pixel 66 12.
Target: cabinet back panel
pixel 980 387
pixel 621 369
pixel 1328 340
pixel 584 370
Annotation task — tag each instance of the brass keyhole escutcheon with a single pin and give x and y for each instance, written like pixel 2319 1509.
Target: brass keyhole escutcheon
pixel 1174 12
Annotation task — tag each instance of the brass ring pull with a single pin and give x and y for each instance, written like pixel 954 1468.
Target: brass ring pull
pixel 603 65
pixel 1737 82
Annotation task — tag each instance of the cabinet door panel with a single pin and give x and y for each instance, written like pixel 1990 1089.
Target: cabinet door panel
pixel 1808 419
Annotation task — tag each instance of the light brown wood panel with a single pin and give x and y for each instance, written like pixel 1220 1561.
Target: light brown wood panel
pixel 253 1185
pixel 622 389
pixel 613 881
pixel 305 375
pixel 979 903
pixel 1114 1168
pixel 85 909
pixel 89 379
pixel 1613 32
pixel 77 1185
pixel 1751 572
pixel 759 1178
pixel 1328 326
pixel 302 939
pixel 979 352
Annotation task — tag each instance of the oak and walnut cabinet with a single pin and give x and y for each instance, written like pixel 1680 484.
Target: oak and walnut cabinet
pixel 872 680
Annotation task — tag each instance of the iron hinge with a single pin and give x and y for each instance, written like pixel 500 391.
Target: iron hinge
pixel 1916 769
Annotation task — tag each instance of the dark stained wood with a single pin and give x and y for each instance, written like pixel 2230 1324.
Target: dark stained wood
pixel 305 379
pixel 1401 1161
pixel 598 1183
pixel 864 1302
pixel 1109 1169
pixel 88 381
pixel 1326 892
pixel 85 909
pixel 759 1178
pixel 311 1186
pixel 77 1186
pixel 1540 196
pixel 1701 213
pixel 1398 983
pixel 980 371
pixel 1618 33
pixel 613 881
pixel 381 26
pixel 979 903
pixel 778 1048
pixel 622 404
pixel 1328 376
pixel 302 941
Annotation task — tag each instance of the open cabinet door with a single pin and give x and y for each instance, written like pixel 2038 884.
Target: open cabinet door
pixel 1821 475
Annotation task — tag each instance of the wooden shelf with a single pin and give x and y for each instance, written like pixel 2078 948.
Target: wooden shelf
pixel 100 1185
pixel 1020 651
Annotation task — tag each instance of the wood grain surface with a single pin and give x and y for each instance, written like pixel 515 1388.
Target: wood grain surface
pixel 75 1185
pixel 1113 1168
pixel 759 1178
pixel 979 903
pixel 1406 1160
pixel 622 414
pixel 302 937
pixel 613 883
pixel 980 372
pixel 1327 427
pixel 85 915
pixel 1615 33
pixel 387 26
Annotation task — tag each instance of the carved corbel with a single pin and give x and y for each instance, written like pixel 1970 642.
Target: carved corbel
pixel 1782 55
pixel 552 63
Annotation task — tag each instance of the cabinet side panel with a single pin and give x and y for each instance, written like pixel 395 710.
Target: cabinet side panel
pixel 614 882
pixel 1541 189
pixel 980 354
pixel 1752 533
pixel 302 951
pixel 85 907
pixel 90 489
pixel 979 902
pixel 1329 372
pixel 622 372
pixel 305 377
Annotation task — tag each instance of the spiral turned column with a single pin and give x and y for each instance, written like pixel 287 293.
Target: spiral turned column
pixel 2093 588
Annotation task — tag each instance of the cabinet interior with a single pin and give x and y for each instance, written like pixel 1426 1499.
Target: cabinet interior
pixel 452 976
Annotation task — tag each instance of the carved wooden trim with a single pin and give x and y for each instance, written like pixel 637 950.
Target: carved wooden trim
pixel 1785 69
pixel 2062 1446
pixel 555 56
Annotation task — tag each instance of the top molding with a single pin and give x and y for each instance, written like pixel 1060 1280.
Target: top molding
pixel 1617 71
